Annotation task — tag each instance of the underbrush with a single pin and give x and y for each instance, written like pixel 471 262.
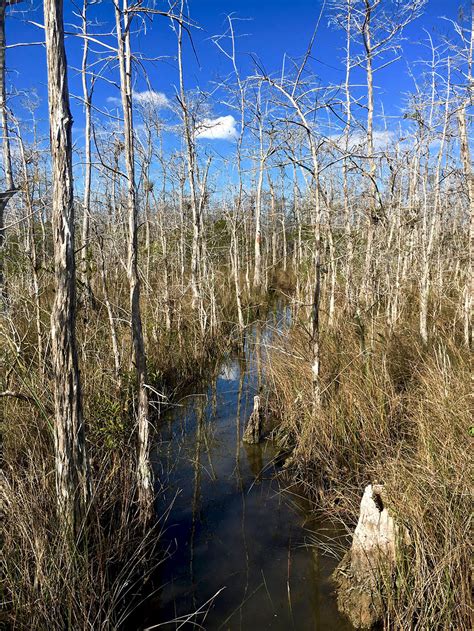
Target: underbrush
pixel 394 412
pixel 95 581
pixel 52 581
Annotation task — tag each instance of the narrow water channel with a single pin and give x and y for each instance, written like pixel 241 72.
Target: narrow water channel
pixel 238 542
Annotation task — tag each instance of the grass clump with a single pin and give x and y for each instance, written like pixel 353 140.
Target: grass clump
pixel 394 412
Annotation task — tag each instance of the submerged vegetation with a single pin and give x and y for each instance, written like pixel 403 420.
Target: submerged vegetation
pixel 127 284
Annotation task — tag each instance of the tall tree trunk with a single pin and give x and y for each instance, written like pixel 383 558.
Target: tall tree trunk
pixel 145 482
pixel 110 315
pixel 191 163
pixel 32 247
pixel 7 161
pixel 257 275
pixel 345 166
pixel 70 451
pixel 432 224
pixel 467 168
pixel 234 253
pixel 87 96
pixel 368 268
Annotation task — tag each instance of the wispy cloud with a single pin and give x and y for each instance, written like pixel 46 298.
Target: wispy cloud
pixel 150 97
pixel 147 97
pixel 220 128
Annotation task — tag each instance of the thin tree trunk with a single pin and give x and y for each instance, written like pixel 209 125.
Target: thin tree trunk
pixel 345 167
pixel 368 280
pixel 257 276
pixel 32 250
pixel 235 269
pixel 467 168
pixel 430 225
pixel 333 270
pixel 110 315
pixel 70 451
pixel 87 96
pixel 145 482
pixel 7 161
pixel 191 162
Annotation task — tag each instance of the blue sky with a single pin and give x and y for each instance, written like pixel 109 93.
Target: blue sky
pixel 269 29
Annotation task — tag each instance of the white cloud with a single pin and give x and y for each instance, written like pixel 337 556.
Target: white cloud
pixel 220 128
pixel 150 97
pixel 147 97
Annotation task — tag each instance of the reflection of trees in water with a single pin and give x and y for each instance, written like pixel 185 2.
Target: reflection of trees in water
pixel 255 460
pixel 230 370
pixel 258 355
pixel 196 503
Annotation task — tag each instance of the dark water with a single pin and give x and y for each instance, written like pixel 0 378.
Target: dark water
pixel 238 542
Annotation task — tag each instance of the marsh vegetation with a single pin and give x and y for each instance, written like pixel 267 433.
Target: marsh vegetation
pixel 280 233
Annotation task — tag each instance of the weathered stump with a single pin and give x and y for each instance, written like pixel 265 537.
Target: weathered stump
pixel 253 431
pixel 372 555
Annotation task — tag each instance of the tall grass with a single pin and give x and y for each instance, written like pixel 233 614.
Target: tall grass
pixel 96 581
pixel 50 580
pixel 395 412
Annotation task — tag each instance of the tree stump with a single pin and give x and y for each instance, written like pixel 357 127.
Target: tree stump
pixel 372 555
pixel 253 431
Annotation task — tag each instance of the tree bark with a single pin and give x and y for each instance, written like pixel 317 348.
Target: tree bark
pixel 87 96
pixel 70 450
pixel 467 168
pixel 144 475
pixel 366 32
pixel 7 161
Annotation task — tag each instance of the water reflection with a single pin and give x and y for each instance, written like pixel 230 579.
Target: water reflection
pixel 232 528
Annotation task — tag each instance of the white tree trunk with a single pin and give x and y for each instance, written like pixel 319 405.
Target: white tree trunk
pixel 7 162
pixel 70 451
pixel 145 482
pixel 86 93
pixel 467 168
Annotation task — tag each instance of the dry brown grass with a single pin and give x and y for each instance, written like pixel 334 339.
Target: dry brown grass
pixel 398 414
pixel 50 581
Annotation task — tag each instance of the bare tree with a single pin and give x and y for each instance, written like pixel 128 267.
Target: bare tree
pixel 291 95
pixel 70 450
pixel 465 53
pixel 87 90
pixel 467 167
pixel 145 480
pixel 7 160
pixel 380 24
pixel 189 138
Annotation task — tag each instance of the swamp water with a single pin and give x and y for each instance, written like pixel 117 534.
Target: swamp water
pixel 239 558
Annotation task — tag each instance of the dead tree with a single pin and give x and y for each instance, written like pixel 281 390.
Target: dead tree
pixel 87 89
pixel 253 430
pixel 290 94
pixel 263 154
pixel 467 168
pixel 70 450
pixel 466 50
pixel 380 25
pixel 189 137
pixel 432 214
pixel 145 481
pixel 234 219
pixel 7 160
